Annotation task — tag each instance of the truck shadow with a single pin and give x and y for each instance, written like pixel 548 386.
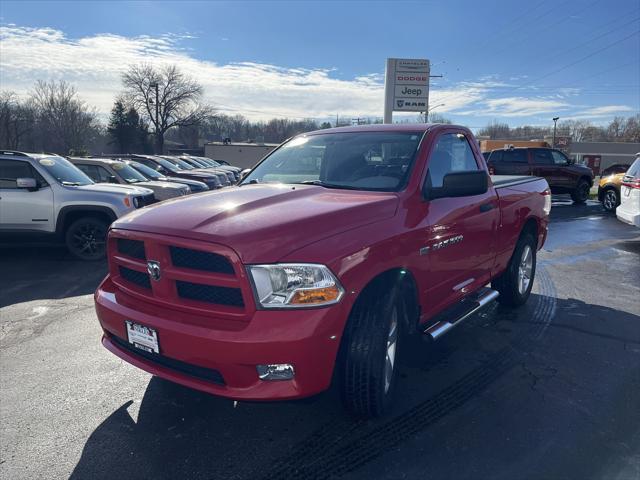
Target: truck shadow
pixel 35 272
pixel 182 433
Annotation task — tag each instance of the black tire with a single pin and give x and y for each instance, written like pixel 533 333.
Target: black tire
pixel 367 387
pixel 581 193
pixel 86 238
pixel 509 284
pixel 610 200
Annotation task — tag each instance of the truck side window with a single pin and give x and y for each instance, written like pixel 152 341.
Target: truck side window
pixel 514 156
pixel 496 156
pixel 542 157
pixel 452 153
pixel 11 170
pixel 558 158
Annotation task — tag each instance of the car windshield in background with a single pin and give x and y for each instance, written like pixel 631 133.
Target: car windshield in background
pixel 128 173
pixel 172 167
pixel 378 161
pixel 146 171
pixel 181 164
pixel 64 171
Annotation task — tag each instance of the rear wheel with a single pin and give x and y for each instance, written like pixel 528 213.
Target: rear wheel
pixel 371 348
pixel 610 200
pixel 516 282
pixel 86 238
pixel 581 193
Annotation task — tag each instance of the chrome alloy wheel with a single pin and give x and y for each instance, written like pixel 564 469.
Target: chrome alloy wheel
pixel 610 200
pixel 525 269
pixel 392 341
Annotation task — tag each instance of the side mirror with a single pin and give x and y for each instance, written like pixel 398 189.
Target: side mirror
pixel 244 173
pixel 27 183
pixel 113 179
pixel 460 184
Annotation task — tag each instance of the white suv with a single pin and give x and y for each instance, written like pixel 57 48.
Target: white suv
pixel 44 194
pixel 629 209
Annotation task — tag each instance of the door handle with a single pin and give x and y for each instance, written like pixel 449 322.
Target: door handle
pixel 485 207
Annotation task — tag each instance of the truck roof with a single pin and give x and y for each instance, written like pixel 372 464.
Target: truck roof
pixel 386 127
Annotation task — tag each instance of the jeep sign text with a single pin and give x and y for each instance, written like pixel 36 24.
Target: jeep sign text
pixel 406 86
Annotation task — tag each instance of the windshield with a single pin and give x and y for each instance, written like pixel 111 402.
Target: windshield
pixel 378 161
pixel 146 171
pixel 128 173
pixel 180 164
pixel 64 171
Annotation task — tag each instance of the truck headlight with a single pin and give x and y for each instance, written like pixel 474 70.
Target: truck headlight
pixel 294 285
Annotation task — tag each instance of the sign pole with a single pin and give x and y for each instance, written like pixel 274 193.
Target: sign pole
pixel 389 90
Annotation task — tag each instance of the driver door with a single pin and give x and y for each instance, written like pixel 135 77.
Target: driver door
pixel 458 233
pixel 20 208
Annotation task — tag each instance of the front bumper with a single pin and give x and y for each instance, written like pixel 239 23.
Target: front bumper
pixel 308 339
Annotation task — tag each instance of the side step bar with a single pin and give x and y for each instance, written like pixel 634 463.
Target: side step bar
pixel 452 316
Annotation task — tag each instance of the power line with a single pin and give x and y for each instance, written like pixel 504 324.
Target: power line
pixel 586 57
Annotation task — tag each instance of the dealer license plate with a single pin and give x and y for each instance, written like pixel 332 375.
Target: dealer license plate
pixel 142 337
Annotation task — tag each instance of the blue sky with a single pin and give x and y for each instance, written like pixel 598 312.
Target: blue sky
pixel 519 62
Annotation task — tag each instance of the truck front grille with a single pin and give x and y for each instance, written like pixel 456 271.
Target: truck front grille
pixel 199 260
pixel 210 294
pixel 132 248
pixel 134 276
pixel 200 278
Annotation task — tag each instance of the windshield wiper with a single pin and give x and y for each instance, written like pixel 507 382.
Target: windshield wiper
pixel 70 184
pixel 320 183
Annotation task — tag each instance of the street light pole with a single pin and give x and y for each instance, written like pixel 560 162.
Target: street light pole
pixel 426 114
pixel 555 122
pixel 155 85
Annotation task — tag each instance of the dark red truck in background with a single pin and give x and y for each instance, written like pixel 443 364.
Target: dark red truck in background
pixel 333 249
pixel 562 174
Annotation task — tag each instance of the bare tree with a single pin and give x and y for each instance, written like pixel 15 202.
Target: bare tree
pixel 65 123
pixel 17 120
pixel 165 97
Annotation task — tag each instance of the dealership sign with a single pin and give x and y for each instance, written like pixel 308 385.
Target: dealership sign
pixel 406 87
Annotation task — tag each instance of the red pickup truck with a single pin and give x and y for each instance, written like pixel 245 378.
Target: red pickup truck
pixel 317 267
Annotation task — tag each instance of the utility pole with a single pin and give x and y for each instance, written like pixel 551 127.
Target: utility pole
pixel 555 122
pixel 155 85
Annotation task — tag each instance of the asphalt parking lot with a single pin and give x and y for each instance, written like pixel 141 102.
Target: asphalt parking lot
pixel 550 391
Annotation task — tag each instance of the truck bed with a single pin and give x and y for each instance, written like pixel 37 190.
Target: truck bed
pixel 502 181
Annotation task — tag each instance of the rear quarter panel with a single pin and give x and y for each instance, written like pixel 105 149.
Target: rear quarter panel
pixel 519 204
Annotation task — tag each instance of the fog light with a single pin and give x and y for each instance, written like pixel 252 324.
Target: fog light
pixel 278 371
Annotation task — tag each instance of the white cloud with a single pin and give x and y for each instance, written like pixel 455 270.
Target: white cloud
pixel 94 64
pixel 518 107
pixel 606 110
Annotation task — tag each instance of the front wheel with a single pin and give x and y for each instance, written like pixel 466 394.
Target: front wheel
pixel 86 238
pixel 581 193
pixel 610 200
pixel 372 341
pixel 515 284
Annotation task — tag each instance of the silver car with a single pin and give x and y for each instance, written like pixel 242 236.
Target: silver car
pixel 106 170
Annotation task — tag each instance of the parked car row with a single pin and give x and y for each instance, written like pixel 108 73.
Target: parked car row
pixel 75 199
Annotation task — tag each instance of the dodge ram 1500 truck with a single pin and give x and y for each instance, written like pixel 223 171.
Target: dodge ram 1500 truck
pixel 318 266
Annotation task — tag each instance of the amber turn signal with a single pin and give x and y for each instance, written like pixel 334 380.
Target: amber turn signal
pixel 315 295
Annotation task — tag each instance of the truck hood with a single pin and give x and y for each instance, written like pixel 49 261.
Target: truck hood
pixel 113 188
pixel 263 223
